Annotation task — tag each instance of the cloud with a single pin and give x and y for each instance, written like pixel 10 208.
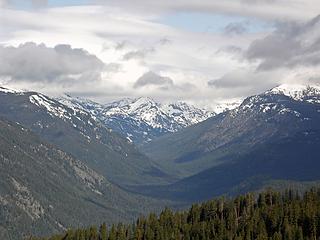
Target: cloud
pixel 126 43
pixel 121 45
pixel 244 82
pixel 290 45
pixel 260 1
pixel 263 9
pixel 151 78
pixel 164 41
pixel 138 54
pixel 3 3
pixel 231 50
pixel 235 28
pixel 113 67
pixel 39 3
pixel 34 3
pixel 31 62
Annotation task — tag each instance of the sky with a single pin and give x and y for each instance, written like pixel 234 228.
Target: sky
pixel 199 51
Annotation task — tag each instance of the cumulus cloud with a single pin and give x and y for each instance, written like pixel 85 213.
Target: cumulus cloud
pixel 292 44
pixel 129 42
pixel 151 78
pixel 38 63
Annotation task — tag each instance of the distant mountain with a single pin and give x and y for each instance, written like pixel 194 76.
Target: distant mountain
pixel 274 135
pixel 44 190
pixel 298 92
pixel 75 131
pixel 221 107
pixel 143 119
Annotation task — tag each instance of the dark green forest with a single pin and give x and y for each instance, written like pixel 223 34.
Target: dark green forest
pixel 267 215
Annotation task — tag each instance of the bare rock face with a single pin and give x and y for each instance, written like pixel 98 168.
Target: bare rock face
pixel 26 202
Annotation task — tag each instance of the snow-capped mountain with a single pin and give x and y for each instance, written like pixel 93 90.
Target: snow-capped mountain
pixel 76 131
pixel 81 104
pixel 277 112
pixel 141 119
pixel 221 107
pixel 271 136
pixel 309 93
pixel 169 117
pixel 281 100
pixel 55 160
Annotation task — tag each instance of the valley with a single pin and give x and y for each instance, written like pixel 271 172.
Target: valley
pixel 68 149
pixel 159 120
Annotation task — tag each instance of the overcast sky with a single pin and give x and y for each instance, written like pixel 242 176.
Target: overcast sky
pixel 200 51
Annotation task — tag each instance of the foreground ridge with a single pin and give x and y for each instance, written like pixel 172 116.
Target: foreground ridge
pixel 269 215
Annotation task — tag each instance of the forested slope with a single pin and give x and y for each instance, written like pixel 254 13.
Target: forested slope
pixel 269 215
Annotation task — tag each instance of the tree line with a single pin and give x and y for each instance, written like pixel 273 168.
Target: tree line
pixel 269 215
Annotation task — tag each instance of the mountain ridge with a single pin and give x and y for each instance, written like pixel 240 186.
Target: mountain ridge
pixel 204 154
pixel 45 190
pixel 141 119
pixel 78 133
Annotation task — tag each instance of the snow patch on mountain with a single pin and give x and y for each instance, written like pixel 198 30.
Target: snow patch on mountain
pixel 51 106
pixel 140 119
pixel 221 107
pixel 12 91
pixel 81 105
pixel 273 102
pixel 168 116
pixel 296 91
pixel 165 117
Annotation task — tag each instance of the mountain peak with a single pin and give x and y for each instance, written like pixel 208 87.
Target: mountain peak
pixel 10 90
pixel 296 91
pixel 142 119
pixel 141 101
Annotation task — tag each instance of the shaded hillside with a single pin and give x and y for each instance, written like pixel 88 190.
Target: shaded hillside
pixel 78 133
pixel 269 136
pixel 259 119
pixel 44 190
pixel 291 158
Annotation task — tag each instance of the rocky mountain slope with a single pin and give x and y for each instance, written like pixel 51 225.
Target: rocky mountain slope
pixel 143 119
pixel 78 133
pixel 275 134
pixel 44 190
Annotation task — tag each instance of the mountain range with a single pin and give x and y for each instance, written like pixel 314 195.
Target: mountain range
pixel 78 133
pixel 141 120
pixel 271 136
pixel 73 162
